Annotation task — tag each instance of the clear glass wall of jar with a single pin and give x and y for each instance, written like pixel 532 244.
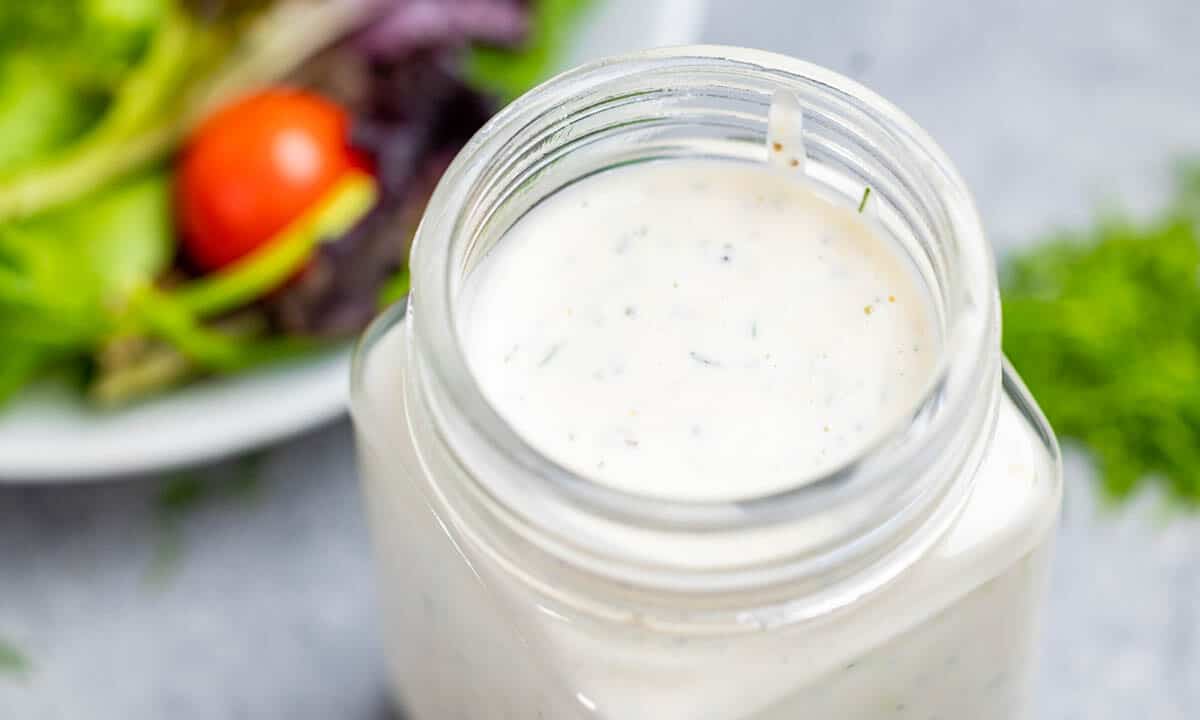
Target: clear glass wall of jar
pixel 906 584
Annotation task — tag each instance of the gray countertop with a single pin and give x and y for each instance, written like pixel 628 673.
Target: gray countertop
pixel 260 604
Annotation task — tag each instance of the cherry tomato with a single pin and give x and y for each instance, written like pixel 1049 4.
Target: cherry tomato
pixel 255 166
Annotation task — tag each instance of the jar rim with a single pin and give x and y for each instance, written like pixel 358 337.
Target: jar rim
pixel 971 333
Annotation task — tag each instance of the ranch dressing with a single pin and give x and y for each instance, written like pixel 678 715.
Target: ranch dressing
pixel 698 329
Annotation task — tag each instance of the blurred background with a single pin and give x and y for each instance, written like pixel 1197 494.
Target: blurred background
pixel 242 588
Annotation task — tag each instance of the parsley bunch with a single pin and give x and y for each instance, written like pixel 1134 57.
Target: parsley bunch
pixel 1104 326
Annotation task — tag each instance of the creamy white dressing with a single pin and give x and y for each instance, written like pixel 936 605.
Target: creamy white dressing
pixel 698 329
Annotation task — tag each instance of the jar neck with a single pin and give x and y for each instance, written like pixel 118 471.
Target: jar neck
pixel 828 539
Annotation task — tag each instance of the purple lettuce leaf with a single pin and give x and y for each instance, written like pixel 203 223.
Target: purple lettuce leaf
pixel 406 26
pixel 419 116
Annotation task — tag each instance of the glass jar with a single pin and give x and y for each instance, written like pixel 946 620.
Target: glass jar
pixel 905 584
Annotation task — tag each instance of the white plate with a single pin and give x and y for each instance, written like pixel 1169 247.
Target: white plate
pixel 48 435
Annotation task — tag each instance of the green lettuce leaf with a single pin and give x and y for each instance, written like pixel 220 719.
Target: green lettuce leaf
pixel 508 73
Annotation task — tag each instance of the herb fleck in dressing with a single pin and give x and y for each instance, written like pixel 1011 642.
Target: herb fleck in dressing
pixel 761 331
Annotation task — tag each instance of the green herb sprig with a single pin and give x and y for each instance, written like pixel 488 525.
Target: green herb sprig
pixel 183 496
pixel 12 660
pixel 862 204
pixel 1104 326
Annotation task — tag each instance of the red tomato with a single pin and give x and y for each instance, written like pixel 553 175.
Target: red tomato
pixel 255 166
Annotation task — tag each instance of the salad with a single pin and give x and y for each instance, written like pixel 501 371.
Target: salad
pixel 197 187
